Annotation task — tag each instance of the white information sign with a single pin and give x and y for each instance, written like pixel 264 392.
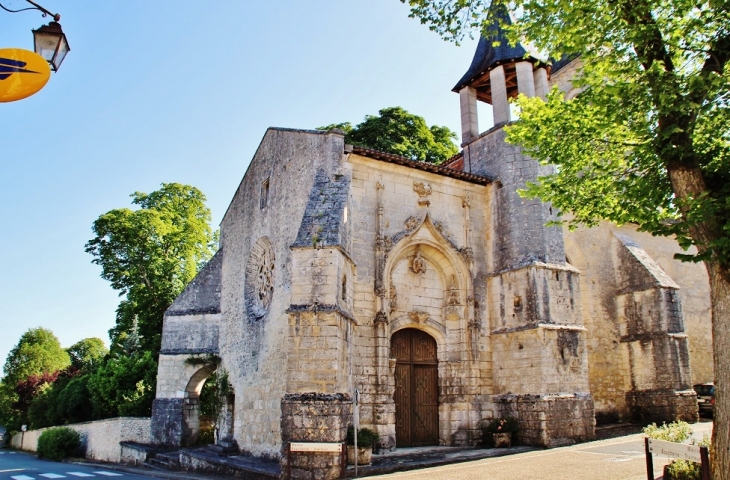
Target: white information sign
pixel 675 450
pixel 315 447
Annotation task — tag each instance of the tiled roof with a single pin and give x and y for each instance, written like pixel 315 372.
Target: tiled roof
pixel 428 167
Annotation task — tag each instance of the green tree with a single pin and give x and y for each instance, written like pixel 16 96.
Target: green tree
pixel 396 131
pixel 38 351
pixel 151 253
pixel 87 354
pixel 124 386
pixel 648 140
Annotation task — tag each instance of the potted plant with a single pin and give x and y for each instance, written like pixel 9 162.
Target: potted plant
pixel 366 439
pixel 500 431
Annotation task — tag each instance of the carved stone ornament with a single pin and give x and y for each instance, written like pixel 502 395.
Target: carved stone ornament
pixel 466 201
pixel 393 298
pixel 259 281
pixel 452 293
pixel 423 190
pixel 467 253
pixel 381 317
pixel 411 223
pixel 418 317
pixel 418 264
pixel 440 228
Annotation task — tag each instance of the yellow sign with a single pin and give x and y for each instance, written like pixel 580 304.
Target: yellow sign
pixel 22 73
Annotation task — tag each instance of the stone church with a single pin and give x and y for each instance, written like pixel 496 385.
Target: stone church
pixel 436 292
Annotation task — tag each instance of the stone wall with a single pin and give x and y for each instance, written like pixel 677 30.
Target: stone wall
pixel 399 213
pixel 550 420
pixel 604 304
pixel 313 417
pixel 257 232
pixel 99 440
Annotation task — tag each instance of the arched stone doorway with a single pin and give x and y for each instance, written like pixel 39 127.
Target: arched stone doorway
pixel 191 406
pixel 416 388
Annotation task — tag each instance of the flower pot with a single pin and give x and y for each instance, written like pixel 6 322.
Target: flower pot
pixel 502 440
pixel 364 455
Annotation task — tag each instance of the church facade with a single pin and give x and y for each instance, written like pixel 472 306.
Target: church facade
pixel 435 292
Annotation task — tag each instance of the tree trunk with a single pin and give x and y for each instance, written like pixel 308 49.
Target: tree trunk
pixel 720 298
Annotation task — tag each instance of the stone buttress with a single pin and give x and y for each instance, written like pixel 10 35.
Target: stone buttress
pixel 537 336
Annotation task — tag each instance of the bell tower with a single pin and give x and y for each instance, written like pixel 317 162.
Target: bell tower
pixel 498 72
pixel 536 336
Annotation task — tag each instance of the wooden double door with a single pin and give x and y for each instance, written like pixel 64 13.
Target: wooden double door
pixel 416 388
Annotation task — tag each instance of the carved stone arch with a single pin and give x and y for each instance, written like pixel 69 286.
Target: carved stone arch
pixel 191 405
pixel 426 240
pixel 259 280
pixel 430 326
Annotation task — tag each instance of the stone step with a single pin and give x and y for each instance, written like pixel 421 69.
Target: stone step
pixel 166 460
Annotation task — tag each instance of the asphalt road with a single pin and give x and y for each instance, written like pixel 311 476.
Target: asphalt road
pixel 22 466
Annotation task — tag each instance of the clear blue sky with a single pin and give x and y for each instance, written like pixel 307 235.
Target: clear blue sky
pixel 181 91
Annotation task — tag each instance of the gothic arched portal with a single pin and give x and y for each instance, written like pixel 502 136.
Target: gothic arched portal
pixel 416 388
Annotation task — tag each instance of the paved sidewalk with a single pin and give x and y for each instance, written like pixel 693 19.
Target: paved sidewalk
pixel 620 458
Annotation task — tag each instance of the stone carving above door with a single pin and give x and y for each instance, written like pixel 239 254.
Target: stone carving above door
pixel 418 264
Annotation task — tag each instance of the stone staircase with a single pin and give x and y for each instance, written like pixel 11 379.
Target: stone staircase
pixel 164 460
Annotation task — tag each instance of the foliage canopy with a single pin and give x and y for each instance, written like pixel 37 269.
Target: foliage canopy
pixel 151 253
pixel 37 352
pixel 647 140
pixel 402 133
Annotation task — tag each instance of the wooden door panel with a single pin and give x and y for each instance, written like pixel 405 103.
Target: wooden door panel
pixel 416 388
pixel 425 405
pixel 402 397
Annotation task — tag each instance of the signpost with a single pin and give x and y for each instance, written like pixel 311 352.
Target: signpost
pixel 692 453
pixel 22 73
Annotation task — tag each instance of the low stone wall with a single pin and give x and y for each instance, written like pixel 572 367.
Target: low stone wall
pixel 551 420
pixel 660 406
pixel 314 417
pixel 99 440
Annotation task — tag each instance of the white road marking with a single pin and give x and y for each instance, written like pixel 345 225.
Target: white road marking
pixel 109 474
pixel 80 474
pixel 22 477
pixel 12 470
pixel 52 475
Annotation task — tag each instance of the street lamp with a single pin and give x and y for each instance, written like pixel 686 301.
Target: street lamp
pixel 51 44
pixel 50 41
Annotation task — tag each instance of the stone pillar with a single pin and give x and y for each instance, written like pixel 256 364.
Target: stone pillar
pixel 469 117
pixel 541 82
pixel 525 79
pixel 313 417
pixel 167 421
pixel 500 104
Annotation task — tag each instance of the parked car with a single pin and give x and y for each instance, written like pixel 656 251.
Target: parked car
pixel 705 397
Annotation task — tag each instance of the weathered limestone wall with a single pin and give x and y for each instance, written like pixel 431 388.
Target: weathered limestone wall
pixel 536 322
pixel 399 213
pixel 604 306
pixel 99 440
pixel 257 232
pixel 314 418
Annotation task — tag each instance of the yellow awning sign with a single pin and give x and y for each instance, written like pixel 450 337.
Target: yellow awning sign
pixel 22 73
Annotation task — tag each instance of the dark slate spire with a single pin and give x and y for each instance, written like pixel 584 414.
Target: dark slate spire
pixel 487 55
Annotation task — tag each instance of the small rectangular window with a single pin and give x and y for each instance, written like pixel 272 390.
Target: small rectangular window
pixel 264 194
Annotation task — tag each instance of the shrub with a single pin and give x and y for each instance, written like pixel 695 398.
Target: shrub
pixel 676 432
pixel 58 443
pixel 365 437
